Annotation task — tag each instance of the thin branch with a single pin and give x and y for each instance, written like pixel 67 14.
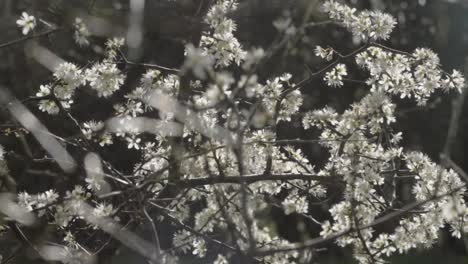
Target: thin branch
pixel 253 178
pixel 157 244
pixel 149 65
pixel 20 40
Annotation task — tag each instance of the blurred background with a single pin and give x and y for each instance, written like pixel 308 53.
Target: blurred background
pixel 165 26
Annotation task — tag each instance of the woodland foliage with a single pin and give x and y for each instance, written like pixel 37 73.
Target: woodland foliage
pixel 211 165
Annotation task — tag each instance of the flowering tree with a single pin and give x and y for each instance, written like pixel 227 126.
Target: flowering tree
pixel 210 164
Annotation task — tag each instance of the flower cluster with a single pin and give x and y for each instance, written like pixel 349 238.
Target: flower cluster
pixel 206 154
pixel 68 77
pixel 81 33
pixel 222 44
pixel 94 130
pixel 105 78
pixel 367 25
pixel 38 202
pixel 415 75
pixel 49 105
pixel 197 61
pixel 371 167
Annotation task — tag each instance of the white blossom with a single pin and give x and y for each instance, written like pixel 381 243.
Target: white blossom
pixel 81 33
pixel 365 25
pixel 196 61
pixel 220 259
pixel 295 204
pixel 222 45
pixel 70 77
pixel 324 53
pixel 26 22
pixel 334 77
pixel 105 78
pixel 363 150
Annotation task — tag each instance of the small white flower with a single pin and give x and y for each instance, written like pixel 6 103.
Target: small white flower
pixel 113 46
pixel 91 127
pixel 49 107
pixel 103 210
pixel 26 23
pixel 220 260
pixel 26 200
pixel 105 139
pixel 324 53
pixel 94 182
pixel 133 142
pixel 334 77
pixel 458 80
pixel 199 247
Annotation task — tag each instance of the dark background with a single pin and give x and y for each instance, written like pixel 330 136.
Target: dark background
pixel 436 24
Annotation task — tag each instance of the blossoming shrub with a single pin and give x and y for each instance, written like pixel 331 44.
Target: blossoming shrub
pixel 211 165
